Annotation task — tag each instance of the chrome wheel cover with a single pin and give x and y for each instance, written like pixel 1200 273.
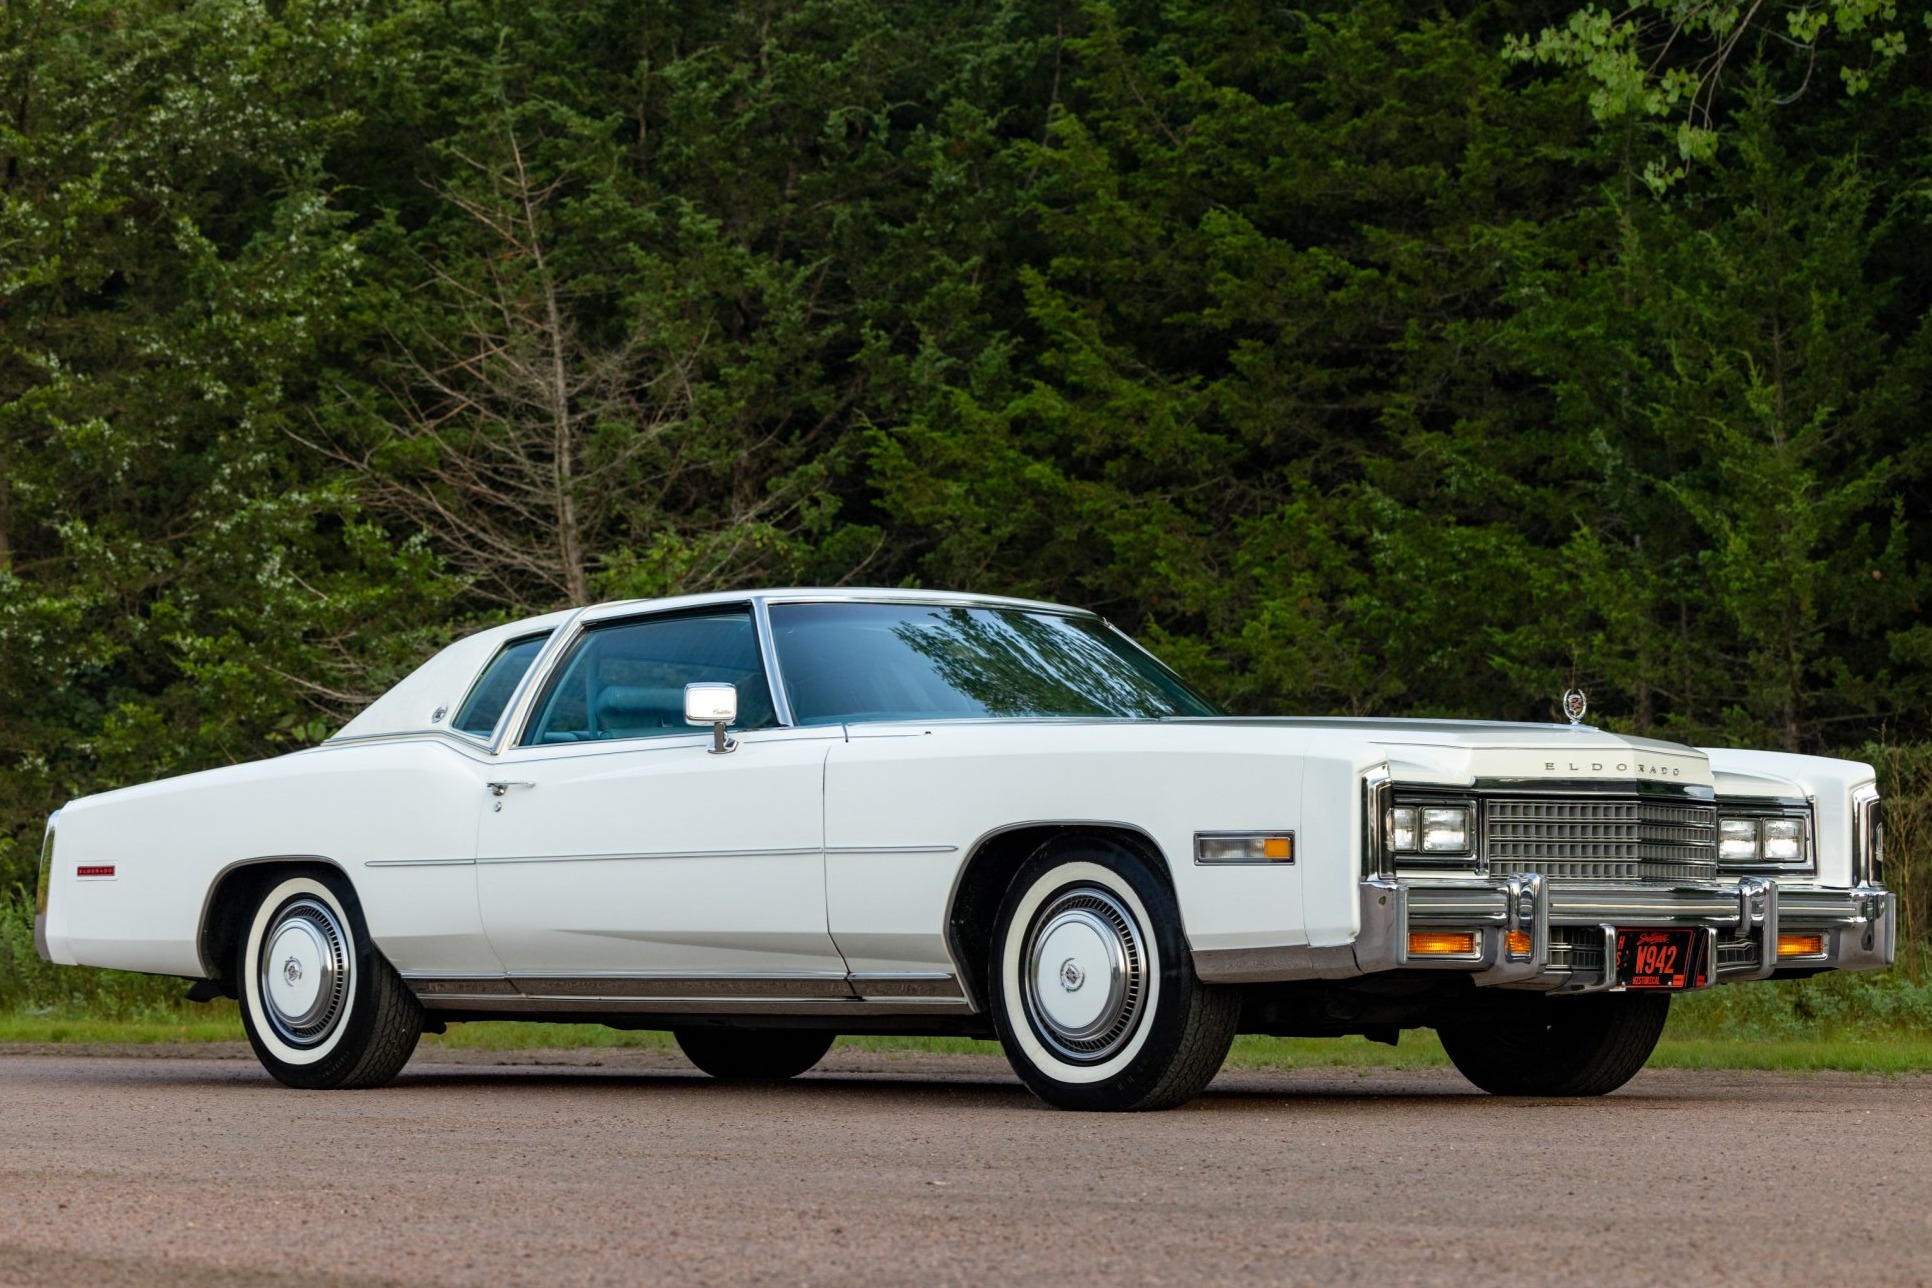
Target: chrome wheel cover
pixel 1083 974
pixel 303 972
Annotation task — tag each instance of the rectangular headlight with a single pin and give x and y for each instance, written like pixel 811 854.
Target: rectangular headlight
pixel 1445 829
pixel 1737 840
pixel 1402 829
pixel 1783 840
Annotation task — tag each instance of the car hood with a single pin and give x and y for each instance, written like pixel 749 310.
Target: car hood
pixel 1496 754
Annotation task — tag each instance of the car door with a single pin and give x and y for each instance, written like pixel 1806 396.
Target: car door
pixel 621 857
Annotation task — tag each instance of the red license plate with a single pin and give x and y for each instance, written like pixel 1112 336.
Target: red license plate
pixel 1667 959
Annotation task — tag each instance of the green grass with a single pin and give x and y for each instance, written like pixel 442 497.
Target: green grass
pixel 21 1026
pixel 1904 1053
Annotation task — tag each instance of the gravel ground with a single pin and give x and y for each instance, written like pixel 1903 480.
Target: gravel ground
pixel 175 1167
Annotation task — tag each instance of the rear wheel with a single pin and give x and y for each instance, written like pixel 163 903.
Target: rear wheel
pixel 1580 1046
pixel 753 1055
pixel 322 1008
pixel 1093 989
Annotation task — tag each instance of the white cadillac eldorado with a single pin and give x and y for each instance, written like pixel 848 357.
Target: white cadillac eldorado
pixel 763 819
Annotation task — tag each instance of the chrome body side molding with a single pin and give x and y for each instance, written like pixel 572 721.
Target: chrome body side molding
pixel 828 992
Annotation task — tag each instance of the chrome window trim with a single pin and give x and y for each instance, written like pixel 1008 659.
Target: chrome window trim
pixel 517 714
pixel 563 643
pixel 486 739
pixel 781 698
pixel 936 598
pixel 775 673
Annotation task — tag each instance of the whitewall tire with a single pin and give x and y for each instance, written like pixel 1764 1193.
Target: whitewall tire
pixel 322 1008
pixel 1092 987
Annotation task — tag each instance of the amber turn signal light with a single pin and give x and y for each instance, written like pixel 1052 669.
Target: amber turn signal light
pixel 1518 943
pixel 1801 945
pixel 1453 943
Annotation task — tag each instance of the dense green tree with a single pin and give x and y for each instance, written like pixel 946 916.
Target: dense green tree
pixel 1367 357
pixel 177 588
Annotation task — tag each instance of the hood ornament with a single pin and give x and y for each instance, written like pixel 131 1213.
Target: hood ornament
pixel 1575 703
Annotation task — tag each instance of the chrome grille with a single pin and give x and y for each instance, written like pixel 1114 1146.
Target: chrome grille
pixel 1577 949
pixel 1737 954
pixel 1607 839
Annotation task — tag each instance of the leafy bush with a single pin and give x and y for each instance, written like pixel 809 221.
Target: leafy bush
pixel 34 986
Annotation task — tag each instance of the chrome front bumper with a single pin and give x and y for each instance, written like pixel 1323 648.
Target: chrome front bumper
pixel 1571 923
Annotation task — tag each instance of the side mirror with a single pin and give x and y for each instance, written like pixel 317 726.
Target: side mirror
pixel 715 705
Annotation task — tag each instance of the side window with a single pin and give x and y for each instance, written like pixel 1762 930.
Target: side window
pixel 626 679
pixel 492 692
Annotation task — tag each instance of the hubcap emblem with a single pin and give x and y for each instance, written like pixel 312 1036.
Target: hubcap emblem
pixel 292 971
pixel 1071 976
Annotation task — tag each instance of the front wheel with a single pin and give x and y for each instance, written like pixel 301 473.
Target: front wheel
pixel 323 1009
pixel 1581 1046
pixel 753 1055
pixel 1093 989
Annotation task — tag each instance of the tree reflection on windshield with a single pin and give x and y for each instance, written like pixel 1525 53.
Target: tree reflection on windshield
pixel 847 662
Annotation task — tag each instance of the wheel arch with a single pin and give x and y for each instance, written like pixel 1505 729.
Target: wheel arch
pixel 990 866
pixel 231 901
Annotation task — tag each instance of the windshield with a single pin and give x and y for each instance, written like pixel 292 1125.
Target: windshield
pixel 859 662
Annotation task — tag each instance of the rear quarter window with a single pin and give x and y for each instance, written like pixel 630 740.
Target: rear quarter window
pixel 496 686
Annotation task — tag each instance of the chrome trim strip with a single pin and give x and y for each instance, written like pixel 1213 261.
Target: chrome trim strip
pixel 418 863
pixel 1266 965
pixel 892 849
pixel 748 987
pixel 1378 794
pixel 670 1006
pixel 658 854
pixel 1594 788
pixel 426 987
pixel 697 992
pixel 907 985
pixel 448 737
pixel 1478 906
pixel 516 712
pixel 1865 834
pixel 781 701
pixel 1636 905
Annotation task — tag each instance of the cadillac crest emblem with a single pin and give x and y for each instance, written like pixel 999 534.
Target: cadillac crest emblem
pixel 1575 703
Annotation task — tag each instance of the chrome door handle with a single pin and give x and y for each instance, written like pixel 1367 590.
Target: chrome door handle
pixel 497 789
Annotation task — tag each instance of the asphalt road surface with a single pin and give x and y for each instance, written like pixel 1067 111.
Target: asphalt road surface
pixel 620 1167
